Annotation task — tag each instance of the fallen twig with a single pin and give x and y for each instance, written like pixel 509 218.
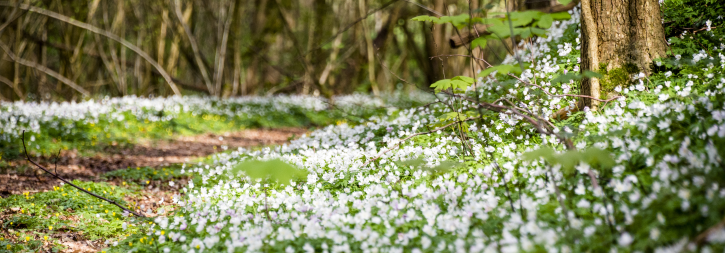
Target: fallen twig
pixel 71 184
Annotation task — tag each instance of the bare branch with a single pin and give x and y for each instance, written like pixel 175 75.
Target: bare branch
pixel 194 47
pixel 43 69
pixel 105 33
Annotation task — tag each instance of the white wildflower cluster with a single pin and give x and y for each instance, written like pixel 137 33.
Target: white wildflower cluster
pixel 668 165
pixel 64 117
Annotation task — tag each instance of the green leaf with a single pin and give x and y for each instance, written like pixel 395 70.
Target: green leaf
pixel 425 18
pixel 546 21
pixel 561 15
pixel 565 78
pixel 545 152
pixel 419 164
pixel 568 160
pixel 465 79
pixel 502 69
pixel 538 31
pixel 479 42
pixel 564 2
pixel 595 156
pixel 274 169
pixel 458 84
pixel 525 34
pixel 441 85
pixel 591 74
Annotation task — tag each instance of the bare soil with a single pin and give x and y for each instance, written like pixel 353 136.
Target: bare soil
pixel 22 177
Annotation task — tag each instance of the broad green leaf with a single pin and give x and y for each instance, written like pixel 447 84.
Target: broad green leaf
pixel 425 18
pixel 590 74
pixel 564 2
pixel 525 34
pixel 595 156
pixel 565 78
pixel 568 160
pixel 545 152
pixel 441 85
pixel 538 31
pixel 521 20
pixel 458 84
pixel 459 20
pixel 275 170
pixel 546 21
pixel 465 79
pixel 502 69
pixel 561 15
pixel 479 42
pixel 419 164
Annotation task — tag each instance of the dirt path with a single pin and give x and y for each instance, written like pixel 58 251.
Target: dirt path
pixel 152 154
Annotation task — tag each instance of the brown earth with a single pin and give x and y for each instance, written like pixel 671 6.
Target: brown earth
pixel 22 177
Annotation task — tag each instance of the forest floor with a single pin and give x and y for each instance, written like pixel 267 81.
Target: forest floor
pixel 122 163
pixel 22 177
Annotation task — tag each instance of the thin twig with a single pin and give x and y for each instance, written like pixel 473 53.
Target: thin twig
pixel 43 69
pixel 71 184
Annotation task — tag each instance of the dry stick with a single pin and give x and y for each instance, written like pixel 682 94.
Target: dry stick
pixel 701 238
pixel 12 17
pixel 71 184
pixel 194 47
pixel 44 69
pixel 105 33
pixel 414 135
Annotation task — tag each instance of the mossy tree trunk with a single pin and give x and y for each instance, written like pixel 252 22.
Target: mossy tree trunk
pixel 618 34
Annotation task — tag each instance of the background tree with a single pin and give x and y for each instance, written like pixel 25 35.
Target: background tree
pixel 619 37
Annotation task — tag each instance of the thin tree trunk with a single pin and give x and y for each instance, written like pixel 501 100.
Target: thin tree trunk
pixel 222 50
pixel 194 47
pixel 369 50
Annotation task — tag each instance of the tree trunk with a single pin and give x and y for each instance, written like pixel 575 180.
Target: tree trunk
pixel 618 34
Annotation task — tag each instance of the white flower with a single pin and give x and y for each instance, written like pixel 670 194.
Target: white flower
pixel 663 97
pixel 625 239
pixel 583 168
pixel 654 234
pixel 664 124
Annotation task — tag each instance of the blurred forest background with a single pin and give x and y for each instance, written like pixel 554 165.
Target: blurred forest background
pixel 71 49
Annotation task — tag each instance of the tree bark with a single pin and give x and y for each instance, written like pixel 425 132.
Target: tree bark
pixel 615 34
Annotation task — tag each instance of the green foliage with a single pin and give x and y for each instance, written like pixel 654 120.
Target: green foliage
pixel 458 84
pixel 142 174
pixel 65 209
pixel 503 69
pixel 685 16
pixel 565 78
pixel 420 164
pixel 274 170
pixel 569 159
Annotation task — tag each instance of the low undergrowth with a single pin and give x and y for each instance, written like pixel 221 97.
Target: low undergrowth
pixel 90 126
pixel 645 174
